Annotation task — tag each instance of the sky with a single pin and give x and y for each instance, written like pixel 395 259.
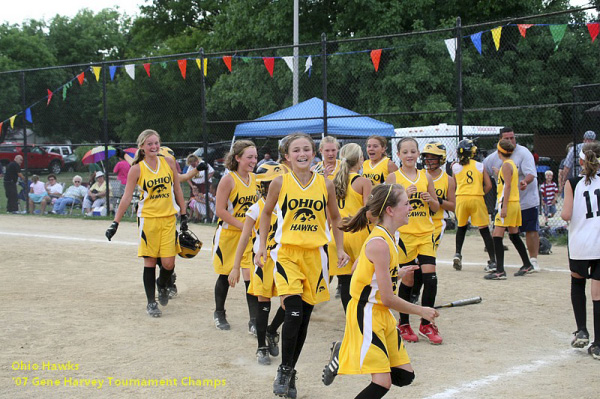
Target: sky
pixel 18 11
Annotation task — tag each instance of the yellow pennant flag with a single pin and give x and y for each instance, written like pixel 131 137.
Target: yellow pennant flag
pixel 12 121
pixel 205 64
pixel 97 70
pixel 496 33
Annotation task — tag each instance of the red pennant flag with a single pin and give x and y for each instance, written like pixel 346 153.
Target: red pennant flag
pixel 227 61
pixel 269 64
pixel 147 68
pixel 375 57
pixel 182 66
pixel 80 78
pixel 593 29
pixel 1 123
pixel 523 28
pixel 49 96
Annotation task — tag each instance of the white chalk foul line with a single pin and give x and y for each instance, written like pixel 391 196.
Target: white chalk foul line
pixel 519 370
pixel 551 269
pixel 69 238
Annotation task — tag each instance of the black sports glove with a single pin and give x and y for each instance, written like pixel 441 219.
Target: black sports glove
pixel 112 230
pixel 201 166
pixel 183 222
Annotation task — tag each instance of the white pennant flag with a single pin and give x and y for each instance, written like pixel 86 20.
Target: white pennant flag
pixel 451 46
pixel 290 62
pixel 308 63
pixel 130 69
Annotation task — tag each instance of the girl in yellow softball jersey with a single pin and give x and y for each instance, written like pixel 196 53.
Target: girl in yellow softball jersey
pixel 237 191
pixel 302 200
pixel 372 344
pixel 416 238
pixel 378 166
pixel 352 192
pixel 162 199
pixel 509 214
pixel 330 165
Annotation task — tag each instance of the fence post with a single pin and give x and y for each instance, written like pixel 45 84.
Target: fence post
pixel 25 148
pixel 574 124
pixel 459 82
pixel 105 131
pixel 324 56
pixel 204 133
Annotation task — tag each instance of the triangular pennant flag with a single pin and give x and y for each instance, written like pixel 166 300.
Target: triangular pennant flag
pixel 49 96
pixel 289 61
pixel 308 64
pixel 476 39
pixel 65 87
pixel 246 59
pixel 80 78
pixel 523 28
pixel 558 32
pixel 96 70
pixel 200 65
pixel 147 68
pixel 112 70
pixel 205 66
pixel 451 46
pixel 12 121
pixel 28 117
pixel 496 34
pixel 1 123
pixel 130 69
pixel 375 57
pixel 269 64
pixel 227 61
pixel 182 66
pixel 594 29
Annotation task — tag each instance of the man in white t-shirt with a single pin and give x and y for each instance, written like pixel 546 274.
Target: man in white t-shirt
pixel 54 190
pixel 529 195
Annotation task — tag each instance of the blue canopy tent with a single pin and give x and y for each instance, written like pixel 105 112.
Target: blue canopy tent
pixel 341 122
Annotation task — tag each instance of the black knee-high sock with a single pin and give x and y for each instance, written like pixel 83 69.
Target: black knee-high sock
pixel 221 290
pixel 149 278
pixel 578 301
pixel 596 322
pixel 306 312
pixel 416 289
pixel 460 238
pixel 291 327
pixel 404 293
pixel 164 277
pixel 489 243
pixel 521 249
pixel 262 319
pixel 499 248
pixel 372 391
pixel 277 321
pixel 252 302
pixel 429 291
pixel 344 282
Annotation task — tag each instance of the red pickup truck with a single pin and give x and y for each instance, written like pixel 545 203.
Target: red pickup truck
pixel 37 157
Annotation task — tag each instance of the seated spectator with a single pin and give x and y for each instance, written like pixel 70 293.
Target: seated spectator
pixel 37 192
pixel 197 204
pixel 73 195
pixel 96 195
pixel 198 177
pixel 54 190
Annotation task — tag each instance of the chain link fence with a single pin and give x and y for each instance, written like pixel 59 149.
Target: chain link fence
pixel 537 74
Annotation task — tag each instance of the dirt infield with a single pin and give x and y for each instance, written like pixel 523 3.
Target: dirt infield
pixel 73 313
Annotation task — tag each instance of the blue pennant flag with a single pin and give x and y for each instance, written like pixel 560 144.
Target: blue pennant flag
pixel 476 39
pixel 28 115
pixel 112 70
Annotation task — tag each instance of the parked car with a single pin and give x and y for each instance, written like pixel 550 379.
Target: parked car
pixel 37 157
pixel 66 152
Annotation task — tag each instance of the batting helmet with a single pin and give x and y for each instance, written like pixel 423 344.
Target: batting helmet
pixel 266 173
pixel 466 149
pixel 545 246
pixel 189 243
pixel 434 148
pixel 167 152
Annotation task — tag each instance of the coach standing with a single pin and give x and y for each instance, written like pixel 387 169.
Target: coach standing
pixel 529 196
pixel 13 172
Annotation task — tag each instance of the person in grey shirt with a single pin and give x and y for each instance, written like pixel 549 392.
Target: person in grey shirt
pixel 529 195
pixel 588 137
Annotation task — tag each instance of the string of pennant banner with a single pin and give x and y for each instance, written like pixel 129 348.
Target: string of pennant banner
pixel 557 32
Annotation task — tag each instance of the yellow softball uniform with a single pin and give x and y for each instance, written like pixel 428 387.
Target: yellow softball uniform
pixel 469 194
pixel 371 341
pixel 513 212
pixel 319 169
pixel 261 280
pixel 302 235
pixel 376 173
pixel 439 224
